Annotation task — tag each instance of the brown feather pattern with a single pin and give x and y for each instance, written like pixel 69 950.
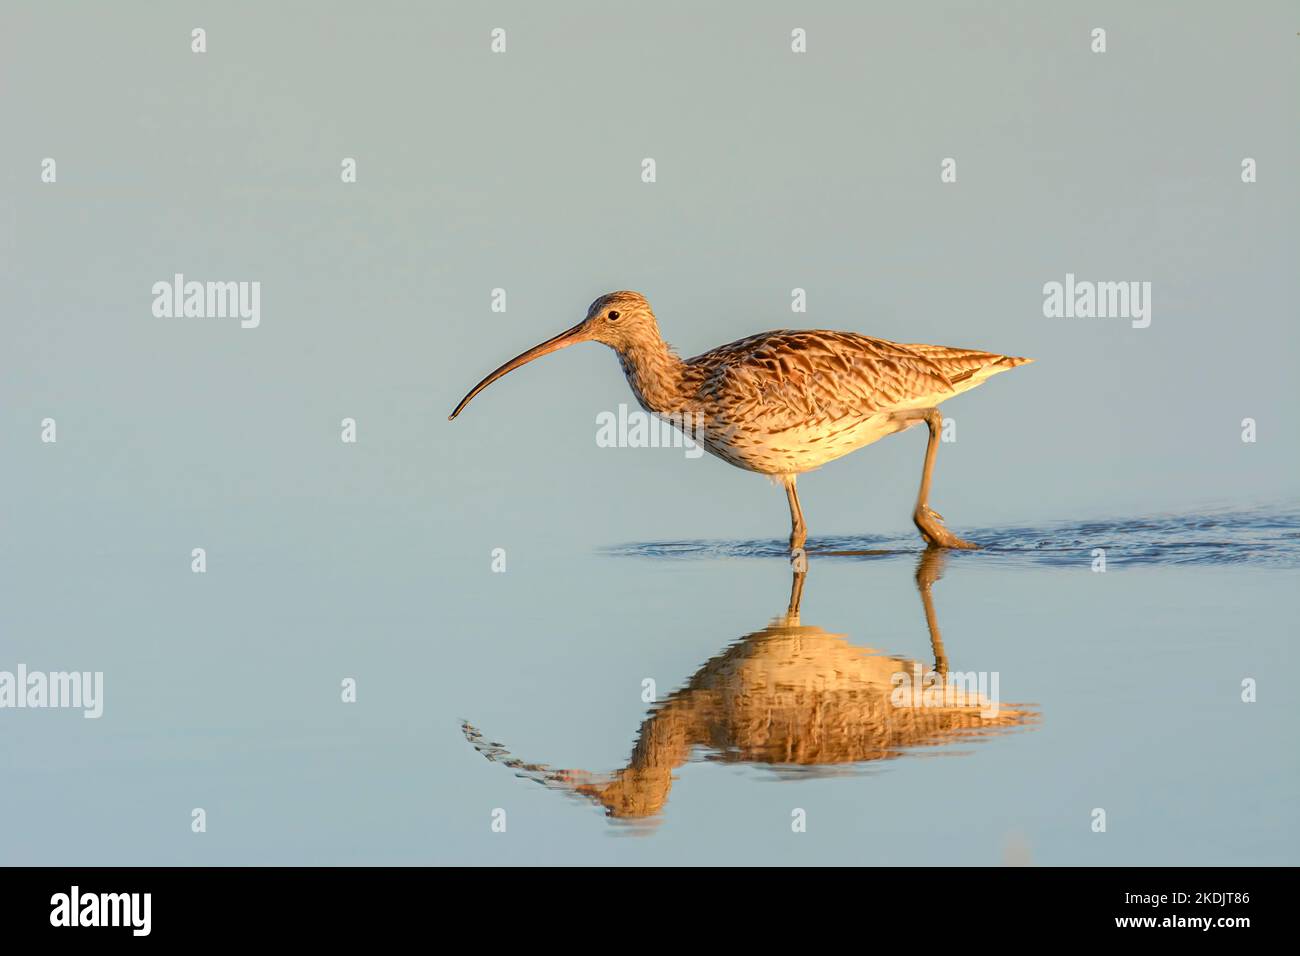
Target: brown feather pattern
pixel 785 401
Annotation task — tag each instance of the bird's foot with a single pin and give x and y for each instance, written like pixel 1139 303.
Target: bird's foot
pixel 930 523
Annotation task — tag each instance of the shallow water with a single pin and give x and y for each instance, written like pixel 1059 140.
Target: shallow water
pixel 1119 691
pixel 1134 677
pixel 1263 537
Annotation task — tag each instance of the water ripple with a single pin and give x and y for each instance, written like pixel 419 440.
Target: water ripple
pixel 1264 537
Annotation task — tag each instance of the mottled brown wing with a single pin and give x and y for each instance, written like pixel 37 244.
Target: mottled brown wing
pixel 957 365
pixel 785 379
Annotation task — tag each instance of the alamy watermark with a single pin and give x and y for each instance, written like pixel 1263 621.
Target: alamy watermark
pixel 128 910
pixel 973 689
pixel 82 690
pixel 1084 299
pixel 638 429
pixel 179 299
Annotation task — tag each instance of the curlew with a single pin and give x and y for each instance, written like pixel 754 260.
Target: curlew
pixel 783 403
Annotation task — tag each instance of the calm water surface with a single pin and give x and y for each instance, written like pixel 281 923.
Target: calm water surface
pixel 1118 690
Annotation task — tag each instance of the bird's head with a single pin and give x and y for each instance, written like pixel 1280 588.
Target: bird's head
pixel 621 320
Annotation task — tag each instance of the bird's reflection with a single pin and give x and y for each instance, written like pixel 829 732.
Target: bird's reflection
pixel 793 697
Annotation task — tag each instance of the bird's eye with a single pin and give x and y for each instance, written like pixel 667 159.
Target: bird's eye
pixel 613 316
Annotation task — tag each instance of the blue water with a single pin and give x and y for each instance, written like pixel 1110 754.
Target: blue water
pixel 1128 690
pixel 1122 691
pixel 1264 538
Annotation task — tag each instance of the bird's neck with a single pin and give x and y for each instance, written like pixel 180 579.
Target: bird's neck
pixel 654 372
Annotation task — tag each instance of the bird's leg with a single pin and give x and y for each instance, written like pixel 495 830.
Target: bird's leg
pixel 796 597
pixel 798 530
pixel 929 522
pixel 928 570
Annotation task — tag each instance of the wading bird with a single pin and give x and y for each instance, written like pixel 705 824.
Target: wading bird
pixel 785 402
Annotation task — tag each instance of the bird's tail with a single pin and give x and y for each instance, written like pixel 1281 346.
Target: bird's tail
pixel 996 364
pixel 1011 361
pixel 962 365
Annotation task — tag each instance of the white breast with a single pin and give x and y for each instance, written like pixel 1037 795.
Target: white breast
pixel 802 448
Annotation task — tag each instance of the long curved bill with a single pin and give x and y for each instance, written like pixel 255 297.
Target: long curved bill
pixel 569 337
